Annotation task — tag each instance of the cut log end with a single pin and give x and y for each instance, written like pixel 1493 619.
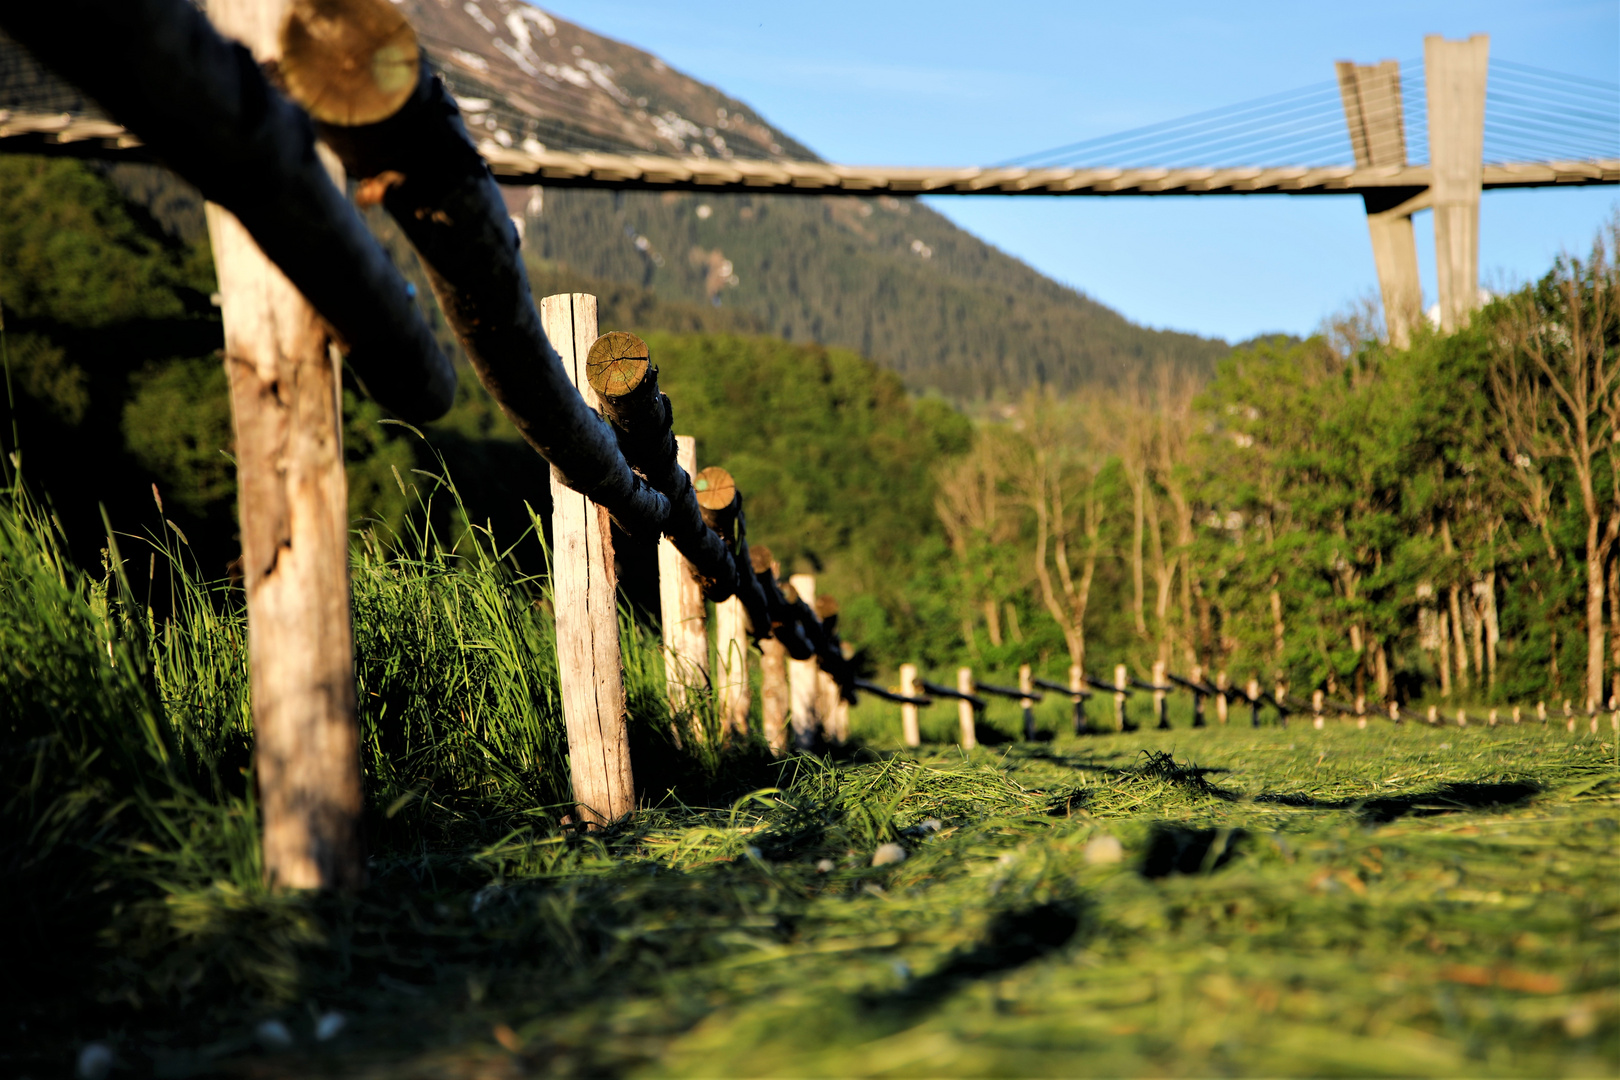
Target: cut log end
pixel 348 62
pixel 617 364
pixel 715 488
pixel 760 558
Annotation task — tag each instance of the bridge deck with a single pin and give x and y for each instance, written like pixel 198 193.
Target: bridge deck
pixel 94 137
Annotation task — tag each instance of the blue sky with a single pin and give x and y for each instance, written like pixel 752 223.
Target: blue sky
pixel 955 83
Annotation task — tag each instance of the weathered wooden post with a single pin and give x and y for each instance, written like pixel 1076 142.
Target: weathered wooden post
pixel 840 713
pixel 1198 695
pixel 910 734
pixel 731 647
pixel 1026 686
pixel 717 500
pixel 1253 691
pixel 1121 681
pixel 830 705
pixel 1316 709
pixel 1221 702
pixel 1518 715
pixel 774 698
pixel 1077 692
pixel 684 617
pixel 590 665
pixel 1394 711
pixel 802 682
pixel 293 499
pixel 1160 702
pixel 964 708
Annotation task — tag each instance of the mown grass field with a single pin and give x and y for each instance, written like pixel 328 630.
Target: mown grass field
pixel 1229 901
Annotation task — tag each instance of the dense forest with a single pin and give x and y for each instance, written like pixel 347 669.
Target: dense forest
pixel 1328 513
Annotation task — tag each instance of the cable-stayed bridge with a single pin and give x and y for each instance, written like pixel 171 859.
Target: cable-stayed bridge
pixel 1430 134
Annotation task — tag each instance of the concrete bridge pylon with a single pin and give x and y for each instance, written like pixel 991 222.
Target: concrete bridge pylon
pixel 1455 75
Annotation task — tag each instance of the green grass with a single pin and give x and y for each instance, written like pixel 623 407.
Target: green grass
pixel 1390 901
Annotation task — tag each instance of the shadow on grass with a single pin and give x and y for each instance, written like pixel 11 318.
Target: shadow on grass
pixel 1014 938
pixel 1176 849
pixel 1446 799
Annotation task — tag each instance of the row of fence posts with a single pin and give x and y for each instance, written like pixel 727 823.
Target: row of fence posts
pixel 322 293
pixel 915 692
pixel 801 705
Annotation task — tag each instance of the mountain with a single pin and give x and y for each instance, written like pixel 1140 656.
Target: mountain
pixel 889 278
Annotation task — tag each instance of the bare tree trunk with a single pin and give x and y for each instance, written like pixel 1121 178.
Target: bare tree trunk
pixel 1164 571
pixel 1445 654
pixel 992 620
pixel 1278 640
pixel 1474 616
pixel 1614 627
pixel 1459 644
pixel 1137 583
pixel 1594 616
pixel 1493 627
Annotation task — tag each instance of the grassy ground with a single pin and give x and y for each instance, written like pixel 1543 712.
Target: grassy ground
pixel 1279 901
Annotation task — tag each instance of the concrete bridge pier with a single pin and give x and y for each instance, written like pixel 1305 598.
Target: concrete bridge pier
pixel 1454 73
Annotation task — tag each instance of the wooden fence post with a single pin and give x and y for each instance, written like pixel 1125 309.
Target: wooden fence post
pixel 1198 698
pixel 1121 681
pixel 1221 704
pixel 684 617
pixel 964 709
pixel 909 732
pixel 802 682
pixel 1077 685
pixel 1316 709
pixel 774 698
pixel 1160 703
pixel 830 706
pixel 773 694
pixel 1026 686
pixel 1253 691
pixel 590 666
pixel 286 413
pixel 718 502
pixel 731 646
pixel 840 714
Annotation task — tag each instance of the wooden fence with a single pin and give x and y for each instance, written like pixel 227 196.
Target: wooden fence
pixel 915 692
pixel 303 283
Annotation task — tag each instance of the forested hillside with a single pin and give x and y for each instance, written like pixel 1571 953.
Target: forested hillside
pixel 888 278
